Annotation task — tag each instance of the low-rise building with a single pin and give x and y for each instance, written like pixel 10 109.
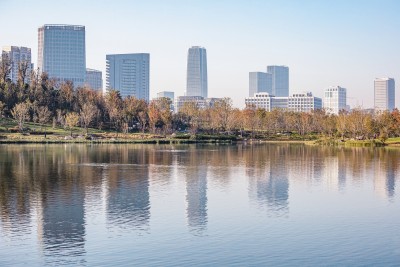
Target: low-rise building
pixel 304 102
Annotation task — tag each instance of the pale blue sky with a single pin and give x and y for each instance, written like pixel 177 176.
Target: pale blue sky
pixel 346 43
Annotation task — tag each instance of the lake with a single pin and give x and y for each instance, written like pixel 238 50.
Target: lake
pixel 199 205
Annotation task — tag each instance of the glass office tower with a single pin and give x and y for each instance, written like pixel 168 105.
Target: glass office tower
pixel 61 52
pixel 196 84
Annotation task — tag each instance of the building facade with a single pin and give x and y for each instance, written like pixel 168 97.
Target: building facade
pixel 384 94
pixel 94 79
pixel 129 74
pixel 335 99
pixel 260 82
pixel 18 57
pixel 280 80
pixel 62 52
pixel 197 83
pixel 304 102
pixel 167 94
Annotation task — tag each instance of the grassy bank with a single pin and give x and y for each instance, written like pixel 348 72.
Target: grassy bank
pixel 35 133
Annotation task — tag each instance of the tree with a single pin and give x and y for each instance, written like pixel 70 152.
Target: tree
pixel 113 102
pixel 20 113
pixel 131 107
pixel 71 120
pixel 2 106
pixel 191 115
pixel 5 69
pixel 154 116
pixel 43 114
pixel 143 118
pixel 23 67
pixel 87 114
pixel 220 113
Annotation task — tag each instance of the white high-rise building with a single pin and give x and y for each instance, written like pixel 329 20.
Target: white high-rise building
pixel 280 80
pixel 129 74
pixel 196 84
pixel 61 52
pixel 384 91
pixel 94 79
pixel 18 56
pixel 260 82
pixel 335 99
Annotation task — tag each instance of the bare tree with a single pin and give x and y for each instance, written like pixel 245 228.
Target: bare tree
pixel 23 67
pixel 71 120
pixel 20 113
pixel 43 114
pixel 5 69
pixel 87 114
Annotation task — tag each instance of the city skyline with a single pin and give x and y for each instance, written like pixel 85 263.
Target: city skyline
pixel 320 51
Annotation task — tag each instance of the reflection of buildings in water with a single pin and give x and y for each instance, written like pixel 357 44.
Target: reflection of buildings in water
pixel 63 223
pixel 196 197
pixel 334 174
pixel 128 197
pixel 268 178
pixel 384 178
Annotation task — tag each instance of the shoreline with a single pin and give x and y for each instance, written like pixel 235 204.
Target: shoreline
pixel 318 142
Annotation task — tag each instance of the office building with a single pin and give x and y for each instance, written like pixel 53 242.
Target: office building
pixel 280 80
pixel 18 57
pixel 94 79
pixel 335 99
pixel 384 93
pixel 260 82
pixel 129 74
pixel 196 84
pixel 167 94
pixel 304 102
pixel 61 52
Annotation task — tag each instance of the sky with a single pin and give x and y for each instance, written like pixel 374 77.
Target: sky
pixel 324 43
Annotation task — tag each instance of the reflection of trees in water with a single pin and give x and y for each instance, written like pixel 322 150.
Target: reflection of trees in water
pixel 51 181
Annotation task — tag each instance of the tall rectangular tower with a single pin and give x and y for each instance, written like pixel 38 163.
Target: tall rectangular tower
pixel 260 82
pixel 384 92
pixel 18 57
pixel 129 74
pixel 61 52
pixel 335 99
pixel 196 84
pixel 280 80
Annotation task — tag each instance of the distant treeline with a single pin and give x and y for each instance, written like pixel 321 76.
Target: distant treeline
pixel 44 101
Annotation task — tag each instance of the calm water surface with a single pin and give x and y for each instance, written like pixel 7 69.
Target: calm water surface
pixel 203 205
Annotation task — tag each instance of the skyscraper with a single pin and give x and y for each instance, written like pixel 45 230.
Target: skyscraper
pixel 384 92
pixel 260 82
pixel 61 52
pixel 280 80
pixel 129 74
pixel 18 57
pixel 94 79
pixel 196 84
pixel 335 99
